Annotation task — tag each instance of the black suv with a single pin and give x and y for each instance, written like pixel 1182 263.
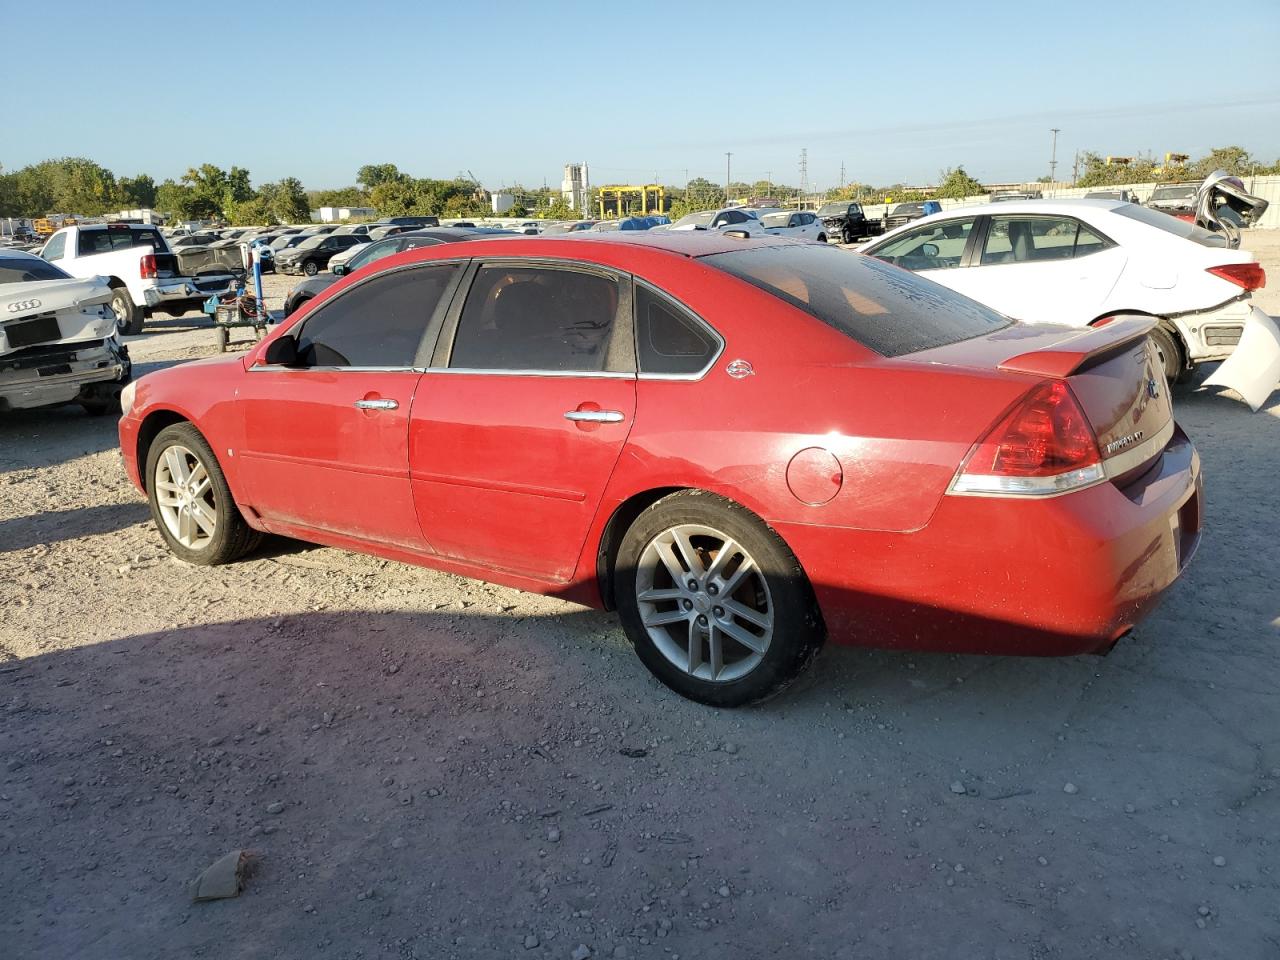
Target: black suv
pixel 313 254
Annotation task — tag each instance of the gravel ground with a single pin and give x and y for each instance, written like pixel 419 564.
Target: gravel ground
pixel 431 767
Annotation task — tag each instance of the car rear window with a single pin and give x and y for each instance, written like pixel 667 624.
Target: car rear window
pixel 1170 224
pixel 887 309
pixel 28 269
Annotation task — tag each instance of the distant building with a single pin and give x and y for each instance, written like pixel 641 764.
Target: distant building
pixel 502 202
pixel 338 214
pixel 576 186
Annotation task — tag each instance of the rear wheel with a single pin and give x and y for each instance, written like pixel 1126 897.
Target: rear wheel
pixel 190 501
pixel 129 317
pixel 822 238
pixel 310 268
pixel 1170 352
pixel 714 602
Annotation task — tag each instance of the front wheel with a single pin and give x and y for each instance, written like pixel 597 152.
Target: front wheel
pixel 714 602
pixel 190 501
pixel 822 238
pixel 310 268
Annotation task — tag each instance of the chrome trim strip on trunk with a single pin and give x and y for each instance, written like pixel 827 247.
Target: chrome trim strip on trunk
pixel 1136 456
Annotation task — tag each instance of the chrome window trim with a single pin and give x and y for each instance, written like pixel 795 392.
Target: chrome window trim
pixel 599 374
pixel 259 368
pixel 684 308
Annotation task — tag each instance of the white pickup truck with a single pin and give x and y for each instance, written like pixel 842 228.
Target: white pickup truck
pixel 142 271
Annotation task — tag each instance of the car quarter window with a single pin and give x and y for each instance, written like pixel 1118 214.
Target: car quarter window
pixel 669 339
pixel 1032 239
pixel 934 246
pixel 378 323
pixel 522 317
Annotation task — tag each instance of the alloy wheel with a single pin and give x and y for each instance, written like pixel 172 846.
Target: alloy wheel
pixel 704 603
pixel 185 497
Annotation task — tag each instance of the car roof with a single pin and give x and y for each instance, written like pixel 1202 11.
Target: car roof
pixel 14 252
pixel 1064 206
pixel 685 243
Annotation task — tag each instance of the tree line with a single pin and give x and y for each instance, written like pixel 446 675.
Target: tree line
pixel 81 186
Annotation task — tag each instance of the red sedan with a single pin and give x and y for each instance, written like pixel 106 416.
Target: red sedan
pixel 743 446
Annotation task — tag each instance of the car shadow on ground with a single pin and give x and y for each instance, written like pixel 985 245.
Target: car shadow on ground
pixel 55 526
pixel 401 772
pixel 30 439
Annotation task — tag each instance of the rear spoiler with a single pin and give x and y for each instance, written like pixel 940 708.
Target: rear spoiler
pixel 1070 354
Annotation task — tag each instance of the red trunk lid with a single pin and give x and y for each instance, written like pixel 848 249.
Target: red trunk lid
pixel 1113 370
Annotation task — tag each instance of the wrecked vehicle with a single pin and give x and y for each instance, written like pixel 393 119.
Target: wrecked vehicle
pixel 1082 262
pixel 144 274
pixel 1222 205
pixel 847 222
pixel 58 341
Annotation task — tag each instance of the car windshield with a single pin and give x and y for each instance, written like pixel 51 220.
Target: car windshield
pixel 26 270
pixel 279 243
pixel 695 219
pixel 775 219
pixel 1170 224
pixel 833 209
pixel 311 242
pixel 907 210
pixel 882 307
pixel 1184 192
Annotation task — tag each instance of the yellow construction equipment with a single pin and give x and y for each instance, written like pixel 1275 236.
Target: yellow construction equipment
pixel 633 200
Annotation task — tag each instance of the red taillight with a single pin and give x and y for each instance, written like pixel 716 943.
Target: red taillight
pixel 1251 276
pixel 148 265
pixel 1044 445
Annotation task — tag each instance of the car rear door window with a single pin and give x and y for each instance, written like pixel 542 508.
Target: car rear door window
pixel 1032 239
pixel 669 340
pixel 540 318
pixel 379 323
pixel 883 308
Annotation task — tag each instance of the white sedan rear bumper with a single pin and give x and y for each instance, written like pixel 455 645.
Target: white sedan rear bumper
pixel 1213 334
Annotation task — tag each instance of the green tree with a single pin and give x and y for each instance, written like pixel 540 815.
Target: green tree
pixel 557 209
pixel 1234 160
pixel 177 200
pixel 341 197
pixel 251 213
pixel 134 193
pixel 285 201
pixel 956 185
pixel 373 175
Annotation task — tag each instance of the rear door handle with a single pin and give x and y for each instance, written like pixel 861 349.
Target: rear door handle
pixel 377 404
pixel 595 416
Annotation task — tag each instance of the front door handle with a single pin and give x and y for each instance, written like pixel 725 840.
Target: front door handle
pixel 377 404
pixel 595 416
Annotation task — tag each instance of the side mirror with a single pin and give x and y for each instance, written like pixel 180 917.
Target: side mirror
pixel 339 269
pixel 929 249
pixel 281 352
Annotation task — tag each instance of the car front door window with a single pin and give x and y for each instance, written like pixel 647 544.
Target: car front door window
pixel 935 246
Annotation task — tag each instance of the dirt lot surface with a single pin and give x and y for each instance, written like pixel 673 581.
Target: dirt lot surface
pixel 432 767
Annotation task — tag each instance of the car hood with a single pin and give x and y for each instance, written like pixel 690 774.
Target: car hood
pixel 317 284
pixel 47 296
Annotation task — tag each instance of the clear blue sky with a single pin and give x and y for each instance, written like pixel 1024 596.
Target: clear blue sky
pixel 512 91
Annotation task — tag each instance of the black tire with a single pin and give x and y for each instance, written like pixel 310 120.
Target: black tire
pixel 797 631
pixel 1171 355
pixel 129 317
pixel 822 238
pixel 232 538
pixel 310 268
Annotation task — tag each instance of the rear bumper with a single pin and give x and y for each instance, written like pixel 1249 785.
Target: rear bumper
pixel 1213 334
pixel 48 376
pixel 1056 577
pixel 187 290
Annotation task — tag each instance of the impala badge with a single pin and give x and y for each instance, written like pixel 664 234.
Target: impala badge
pixel 1123 442
pixel 739 369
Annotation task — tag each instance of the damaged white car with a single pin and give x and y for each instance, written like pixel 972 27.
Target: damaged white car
pixel 58 341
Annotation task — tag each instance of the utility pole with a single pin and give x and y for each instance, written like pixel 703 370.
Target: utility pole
pixel 804 173
pixel 1075 169
pixel 1053 154
pixel 842 174
pixel 728 178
